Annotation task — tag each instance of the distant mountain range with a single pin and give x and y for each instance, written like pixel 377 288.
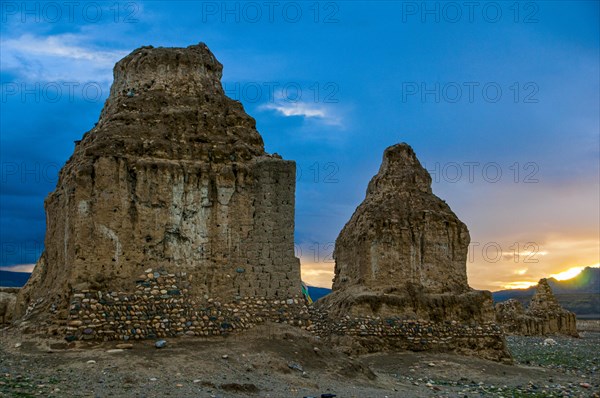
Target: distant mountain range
pixel 580 294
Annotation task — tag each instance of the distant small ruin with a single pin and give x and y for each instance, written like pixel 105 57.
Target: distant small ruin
pixel 543 316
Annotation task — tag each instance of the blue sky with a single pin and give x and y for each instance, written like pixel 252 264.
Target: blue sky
pixel 493 89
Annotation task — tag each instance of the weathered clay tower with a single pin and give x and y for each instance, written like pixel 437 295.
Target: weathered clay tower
pixel 402 256
pixel 402 234
pixel 173 180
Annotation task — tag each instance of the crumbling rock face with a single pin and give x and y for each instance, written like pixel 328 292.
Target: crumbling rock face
pixel 402 234
pixel 543 301
pixel 403 256
pixel 544 315
pixel 175 176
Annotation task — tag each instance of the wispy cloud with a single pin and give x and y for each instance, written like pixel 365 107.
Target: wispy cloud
pixel 318 112
pixel 18 268
pixel 317 274
pixel 66 57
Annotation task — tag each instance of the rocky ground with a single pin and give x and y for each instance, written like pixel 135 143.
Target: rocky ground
pixel 278 361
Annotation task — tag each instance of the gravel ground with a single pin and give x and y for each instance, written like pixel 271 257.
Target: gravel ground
pixel 577 357
pixel 278 361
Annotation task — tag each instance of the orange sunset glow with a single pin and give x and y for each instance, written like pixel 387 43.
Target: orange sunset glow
pixel 517 266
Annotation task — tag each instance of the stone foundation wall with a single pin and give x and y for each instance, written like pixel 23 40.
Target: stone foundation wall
pixel 374 334
pixel 163 307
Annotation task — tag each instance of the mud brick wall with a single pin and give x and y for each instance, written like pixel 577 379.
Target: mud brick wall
pixel 270 269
